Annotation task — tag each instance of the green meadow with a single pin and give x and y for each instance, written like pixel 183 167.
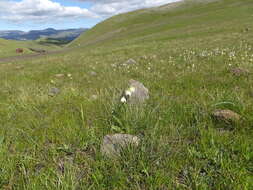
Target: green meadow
pixel 185 54
pixel 8 47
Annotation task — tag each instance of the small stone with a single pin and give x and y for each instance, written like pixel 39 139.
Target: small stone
pixel 59 75
pixel 226 116
pixel 130 62
pixel 94 97
pixel 113 144
pixel 20 67
pixel 54 91
pixel 92 73
pixel 239 71
pixel 136 93
pixel 144 57
pixel 154 56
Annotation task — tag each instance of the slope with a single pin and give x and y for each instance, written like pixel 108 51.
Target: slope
pixel 174 21
pixel 195 58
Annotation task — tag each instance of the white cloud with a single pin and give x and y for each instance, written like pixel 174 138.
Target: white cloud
pixel 40 11
pixel 107 8
pixel 43 11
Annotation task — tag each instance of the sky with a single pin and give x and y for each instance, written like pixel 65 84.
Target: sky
pixel 62 14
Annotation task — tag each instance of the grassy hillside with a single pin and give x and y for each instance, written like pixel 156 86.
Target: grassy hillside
pixel 183 20
pixel 8 47
pixel 186 56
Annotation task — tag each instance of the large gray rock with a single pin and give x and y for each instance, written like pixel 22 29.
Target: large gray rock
pixel 135 94
pixel 113 144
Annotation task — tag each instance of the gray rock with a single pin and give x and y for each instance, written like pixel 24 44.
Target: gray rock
pixel 136 93
pixel 92 73
pixel 226 116
pixel 59 75
pixel 54 91
pixel 130 62
pixel 113 144
pixel 94 97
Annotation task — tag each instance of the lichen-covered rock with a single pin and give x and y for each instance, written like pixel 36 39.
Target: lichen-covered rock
pixel 226 116
pixel 135 94
pixel 113 144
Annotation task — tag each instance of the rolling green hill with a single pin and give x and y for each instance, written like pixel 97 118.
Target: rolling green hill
pixel 174 21
pixel 8 47
pixel 195 57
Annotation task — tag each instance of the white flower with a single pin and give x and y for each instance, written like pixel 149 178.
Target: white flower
pixel 128 93
pixel 123 99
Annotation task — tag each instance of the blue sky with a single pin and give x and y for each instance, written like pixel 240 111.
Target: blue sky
pixel 60 14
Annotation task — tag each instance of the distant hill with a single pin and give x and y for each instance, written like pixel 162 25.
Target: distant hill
pixel 66 35
pixel 8 47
